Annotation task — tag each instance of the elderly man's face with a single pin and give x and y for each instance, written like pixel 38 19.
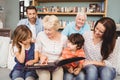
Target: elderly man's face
pixel 80 20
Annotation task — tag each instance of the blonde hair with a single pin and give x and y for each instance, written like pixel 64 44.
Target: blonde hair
pixel 51 21
pixel 81 14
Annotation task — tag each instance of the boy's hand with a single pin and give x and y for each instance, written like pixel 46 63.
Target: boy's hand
pixel 70 70
pixel 77 71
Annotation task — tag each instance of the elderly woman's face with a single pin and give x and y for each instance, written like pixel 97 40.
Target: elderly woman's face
pixel 50 32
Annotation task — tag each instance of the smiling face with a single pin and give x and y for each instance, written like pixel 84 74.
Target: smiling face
pixel 80 20
pixel 99 30
pixel 50 32
pixel 51 25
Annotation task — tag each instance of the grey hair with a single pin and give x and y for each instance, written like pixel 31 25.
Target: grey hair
pixel 83 14
pixel 51 21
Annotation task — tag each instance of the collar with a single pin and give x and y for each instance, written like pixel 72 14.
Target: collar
pixel 37 21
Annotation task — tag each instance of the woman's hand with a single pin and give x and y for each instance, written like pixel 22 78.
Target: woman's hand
pixel 99 63
pixel 43 59
pixel 87 62
pixel 22 45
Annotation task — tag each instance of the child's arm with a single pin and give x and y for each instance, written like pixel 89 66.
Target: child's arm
pixel 35 60
pixel 21 55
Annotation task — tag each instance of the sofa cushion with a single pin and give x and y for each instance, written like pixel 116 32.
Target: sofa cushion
pixel 118 56
pixel 4 49
pixel 11 57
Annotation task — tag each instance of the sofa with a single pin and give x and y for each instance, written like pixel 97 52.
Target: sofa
pixel 7 58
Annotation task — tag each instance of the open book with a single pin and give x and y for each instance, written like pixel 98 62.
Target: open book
pixel 51 66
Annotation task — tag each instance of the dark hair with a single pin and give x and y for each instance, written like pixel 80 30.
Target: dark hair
pixel 77 39
pixel 31 7
pixel 109 36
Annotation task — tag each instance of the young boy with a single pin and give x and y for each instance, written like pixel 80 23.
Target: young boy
pixel 73 49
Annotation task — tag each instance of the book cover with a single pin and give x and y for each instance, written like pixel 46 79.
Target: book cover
pixel 51 66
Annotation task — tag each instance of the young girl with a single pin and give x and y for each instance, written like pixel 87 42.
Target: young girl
pixel 24 54
pixel 74 48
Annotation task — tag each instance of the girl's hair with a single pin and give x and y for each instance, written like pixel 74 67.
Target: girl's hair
pixel 109 36
pixel 51 21
pixel 76 39
pixel 21 33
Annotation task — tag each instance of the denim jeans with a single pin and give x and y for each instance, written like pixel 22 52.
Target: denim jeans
pixel 93 72
pixel 23 75
pixel 69 76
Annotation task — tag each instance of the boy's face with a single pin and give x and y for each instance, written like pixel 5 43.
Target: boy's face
pixel 71 46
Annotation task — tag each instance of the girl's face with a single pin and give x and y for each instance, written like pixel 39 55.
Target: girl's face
pixel 27 41
pixel 99 30
pixel 50 32
pixel 71 46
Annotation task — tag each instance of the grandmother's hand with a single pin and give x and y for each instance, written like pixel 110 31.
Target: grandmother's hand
pixel 43 59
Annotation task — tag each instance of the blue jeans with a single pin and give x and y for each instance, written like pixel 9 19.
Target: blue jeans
pixel 20 74
pixel 93 72
pixel 69 76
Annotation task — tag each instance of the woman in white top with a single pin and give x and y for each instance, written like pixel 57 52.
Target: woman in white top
pixel 49 45
pixel 99 49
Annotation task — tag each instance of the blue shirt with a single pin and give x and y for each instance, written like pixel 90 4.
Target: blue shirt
pixel 70 28
pixel 38 24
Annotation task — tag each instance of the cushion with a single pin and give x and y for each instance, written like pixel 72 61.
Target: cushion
pixel 118 56
pixel 11 57
pixel 4 49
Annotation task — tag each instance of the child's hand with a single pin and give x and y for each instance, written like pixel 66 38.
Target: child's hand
pixel 30 62
pixel 43 59
pixel 22 45
pixel 70 70
pixel 77 71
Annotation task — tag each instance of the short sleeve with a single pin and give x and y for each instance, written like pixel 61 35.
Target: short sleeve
pixel 15 49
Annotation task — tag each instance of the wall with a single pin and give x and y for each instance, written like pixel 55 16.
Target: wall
pixel 2 13
pixel 12 12
pixel 114 10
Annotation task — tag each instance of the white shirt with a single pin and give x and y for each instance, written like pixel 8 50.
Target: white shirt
pixel 33 30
